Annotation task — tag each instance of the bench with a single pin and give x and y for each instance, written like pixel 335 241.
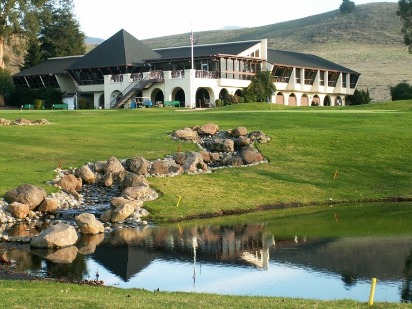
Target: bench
pixel 172 103
pixel 27 106
pixel 60 106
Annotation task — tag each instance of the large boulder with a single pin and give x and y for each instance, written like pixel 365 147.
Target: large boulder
pixel 239 131
pixel 114 166
pixel 18 210
pixel 86 174
pixel 70 183
pixel 138 165
pixel 107 179
pixel 49 205
pixel 4 122
pixel 251 155
pixel 165 167
pixel 55 236
pixel 194 162
pixel 120 201
pixel 121 213
pixel 258 136
pixel 141 193
pixel 222 145
pixel 186 135
pixel 133 180
pixel 208 129
pixel 88 224
pixel 26 194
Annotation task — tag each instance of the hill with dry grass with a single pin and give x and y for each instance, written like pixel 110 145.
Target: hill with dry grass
pixel 369 41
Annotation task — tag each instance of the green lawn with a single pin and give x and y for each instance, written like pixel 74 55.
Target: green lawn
pixel 368 146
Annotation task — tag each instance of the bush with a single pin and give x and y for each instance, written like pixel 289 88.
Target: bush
pixel 402 91
pixel 48 95
pixel 219 103
pixel 359 97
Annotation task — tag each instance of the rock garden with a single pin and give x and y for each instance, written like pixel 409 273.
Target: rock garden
pixel 105 195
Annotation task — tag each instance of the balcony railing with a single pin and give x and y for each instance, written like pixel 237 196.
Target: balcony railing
pixel 206 74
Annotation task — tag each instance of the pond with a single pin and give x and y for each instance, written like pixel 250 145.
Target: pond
pixel 237 259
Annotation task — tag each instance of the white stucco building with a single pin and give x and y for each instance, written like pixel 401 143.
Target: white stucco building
pixel 122 69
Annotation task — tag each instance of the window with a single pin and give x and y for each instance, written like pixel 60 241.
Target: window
pixel 297 74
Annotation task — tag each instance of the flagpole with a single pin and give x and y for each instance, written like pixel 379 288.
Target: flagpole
pixel 191 46
pixel 192 74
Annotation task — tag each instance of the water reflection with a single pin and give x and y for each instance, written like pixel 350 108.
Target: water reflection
pixel 236 259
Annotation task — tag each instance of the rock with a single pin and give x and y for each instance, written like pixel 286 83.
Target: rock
pixel 119 201
pixel 222 145
pixel 180 158
pixel 122 212
pixel 133 180
pixel 186 135
pixel 22 122
pixel 49 205
pixel 239 131
pixel 55 236
pixel 107 215
pixel 18 210
pixel 242 141
pixel 70 183
pixel 235 161
pixel 159 167
pixel 208 129
pixel 107 179
pixel 26 194
pixel 258 136
pixel 85 174
pixel 141 193
pixel 41 122
pixel 88 243
pixel 99 166
pixel 61 256
pixel 88 224
pixel 250 156
pixel 194 162
pixel 138 165
pixel 114 166
pixel 4 122
pixel 205 156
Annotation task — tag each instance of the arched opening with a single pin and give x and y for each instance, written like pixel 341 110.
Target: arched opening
pixel 315 100
pixel 304 101
pixel 224 95
pixel 157 97
pixel 239 93
pixel 338 101
pixel 179 95
pixel 280 99
pixel 202 98
pixel 326 101
pixel 101 101
pixel 292 100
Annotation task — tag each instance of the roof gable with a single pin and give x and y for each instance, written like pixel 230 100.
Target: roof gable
pixel 295 59
pixel 55 65
pixel 233 48
pixel 119 50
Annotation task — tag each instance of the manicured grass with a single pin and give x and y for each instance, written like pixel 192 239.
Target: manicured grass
pixel 368 147
pixel 26 294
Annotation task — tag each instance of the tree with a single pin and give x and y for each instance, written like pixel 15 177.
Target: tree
pixel 405 13
pixel 402 91
pixel 18 18
pixel 60 34
pixel 261 87
pixel 347 6
pixel 34 54
pixel 359 97
pixel 6 85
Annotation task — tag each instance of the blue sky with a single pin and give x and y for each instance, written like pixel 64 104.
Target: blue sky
pixel 149 19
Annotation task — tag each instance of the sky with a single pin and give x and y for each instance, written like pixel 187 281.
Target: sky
pixel 146 19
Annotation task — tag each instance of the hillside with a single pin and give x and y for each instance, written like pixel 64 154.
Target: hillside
pixel 368 40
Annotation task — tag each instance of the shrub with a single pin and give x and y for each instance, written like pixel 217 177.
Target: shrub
pixel 359 97
pixel 219 103
pixel 402 91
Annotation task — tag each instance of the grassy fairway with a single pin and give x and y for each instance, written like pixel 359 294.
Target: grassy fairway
pixel 17 294
pixel 368 146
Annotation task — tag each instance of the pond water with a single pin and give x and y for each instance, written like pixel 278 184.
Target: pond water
pixel 244 259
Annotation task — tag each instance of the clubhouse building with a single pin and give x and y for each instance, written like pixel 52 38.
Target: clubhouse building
pixel 123 72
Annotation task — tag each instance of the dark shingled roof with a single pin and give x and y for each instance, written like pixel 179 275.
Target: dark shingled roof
pixel 233 48
pixel 294 59
pixel 119 50
pixel 56 65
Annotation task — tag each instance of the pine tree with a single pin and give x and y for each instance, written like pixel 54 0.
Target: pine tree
pixel 60 35
pixel 405 13
pixel 34 54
